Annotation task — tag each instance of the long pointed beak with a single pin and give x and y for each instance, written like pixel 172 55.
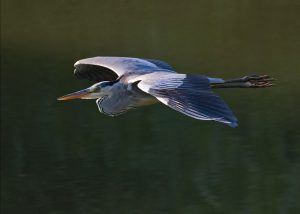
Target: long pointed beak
pixel 77 94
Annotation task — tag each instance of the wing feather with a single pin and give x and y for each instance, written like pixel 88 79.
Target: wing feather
pixel 161 64
pixel 110 68
pixel 188 94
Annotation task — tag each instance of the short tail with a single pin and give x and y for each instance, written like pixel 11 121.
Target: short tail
pixel 253 81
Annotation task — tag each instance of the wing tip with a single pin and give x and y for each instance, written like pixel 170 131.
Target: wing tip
pixel 233 124
pixel 76 63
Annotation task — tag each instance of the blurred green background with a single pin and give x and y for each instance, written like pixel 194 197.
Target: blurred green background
pixel 66 157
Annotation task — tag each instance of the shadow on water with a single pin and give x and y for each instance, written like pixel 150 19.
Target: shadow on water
pixel 68 158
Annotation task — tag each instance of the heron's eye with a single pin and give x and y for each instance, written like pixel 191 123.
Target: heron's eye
pixel 97 89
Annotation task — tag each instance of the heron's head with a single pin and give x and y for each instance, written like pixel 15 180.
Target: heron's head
pixel 94 92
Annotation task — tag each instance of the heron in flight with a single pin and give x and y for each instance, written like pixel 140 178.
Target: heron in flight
pixel 123 83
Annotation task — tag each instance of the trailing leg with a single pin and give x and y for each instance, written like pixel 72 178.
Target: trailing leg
pixel 253 81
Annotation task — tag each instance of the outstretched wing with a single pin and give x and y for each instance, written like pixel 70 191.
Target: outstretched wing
pixel 188 94
pixel 110 68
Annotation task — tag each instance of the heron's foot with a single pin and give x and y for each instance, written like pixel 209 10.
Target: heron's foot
pixel 257 78
pixel 252 81
pixel 255 81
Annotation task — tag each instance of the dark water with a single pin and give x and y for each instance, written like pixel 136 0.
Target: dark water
pixel 67 158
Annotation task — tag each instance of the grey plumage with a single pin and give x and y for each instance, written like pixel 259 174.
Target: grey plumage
pixel 188 94
pixel 110 68
pixel 124 83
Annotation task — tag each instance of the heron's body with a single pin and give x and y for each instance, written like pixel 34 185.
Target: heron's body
pixel 123 83
pixel 123 97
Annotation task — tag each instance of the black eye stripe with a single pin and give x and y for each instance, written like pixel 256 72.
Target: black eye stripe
pixel 109 83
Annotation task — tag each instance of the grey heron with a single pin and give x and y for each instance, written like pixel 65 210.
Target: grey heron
pixel 124 83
